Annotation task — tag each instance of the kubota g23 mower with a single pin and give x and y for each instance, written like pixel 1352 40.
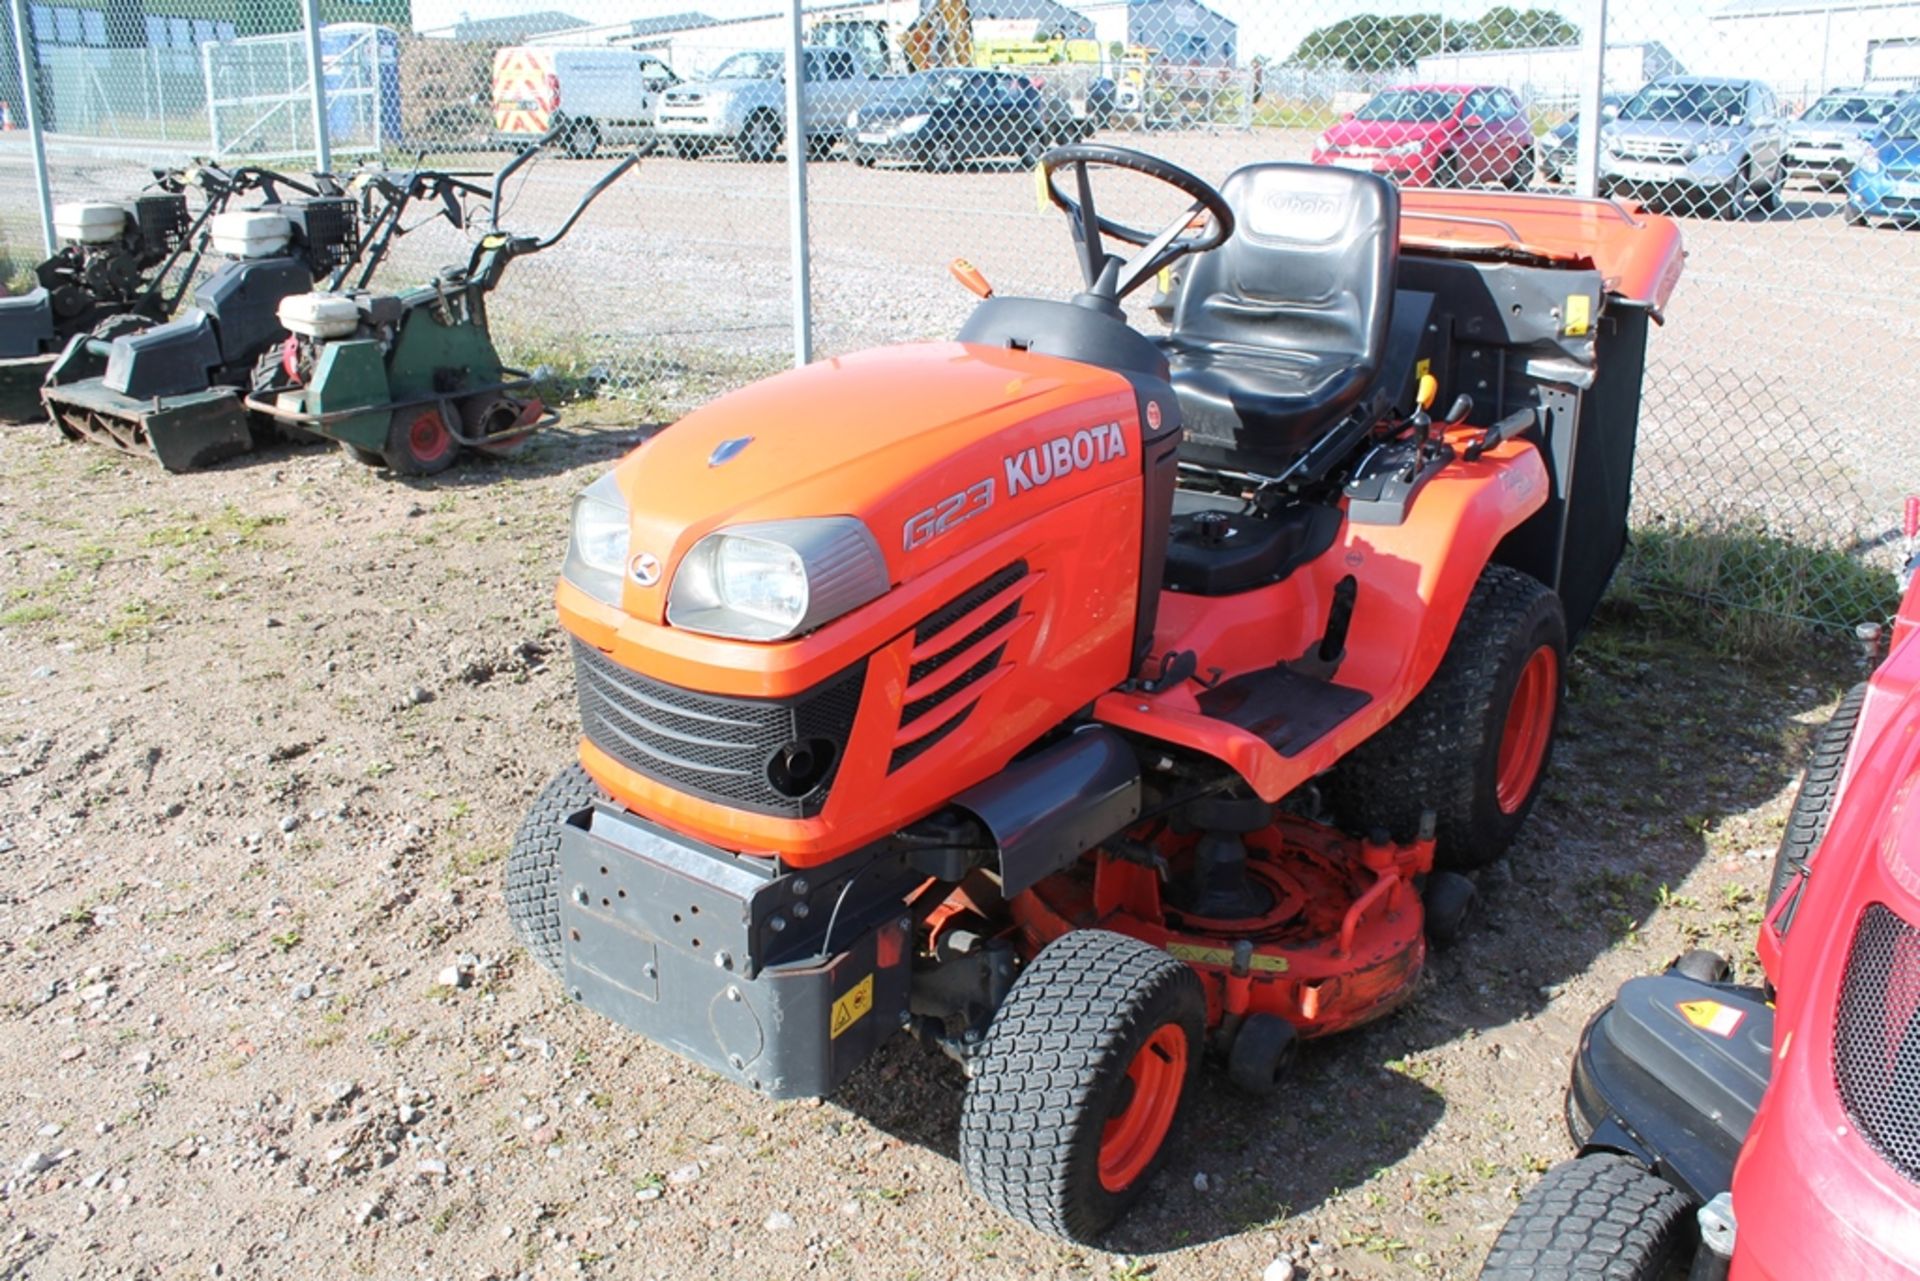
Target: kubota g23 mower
pixel 1083 703
pixel 1768 1132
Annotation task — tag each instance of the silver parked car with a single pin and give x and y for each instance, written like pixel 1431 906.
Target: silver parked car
pixel 1699 144
pixel 1828 139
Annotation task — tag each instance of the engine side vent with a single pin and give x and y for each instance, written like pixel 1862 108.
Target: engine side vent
pixel 1876 1040
pixel 955 648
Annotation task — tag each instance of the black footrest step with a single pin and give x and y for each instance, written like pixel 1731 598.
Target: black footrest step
pixel 1289 711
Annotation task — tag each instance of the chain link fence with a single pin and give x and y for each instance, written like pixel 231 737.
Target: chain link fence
pixel 1770 467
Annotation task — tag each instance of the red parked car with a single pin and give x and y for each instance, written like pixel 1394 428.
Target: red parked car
pixel 1762 1133
pixel 1435 136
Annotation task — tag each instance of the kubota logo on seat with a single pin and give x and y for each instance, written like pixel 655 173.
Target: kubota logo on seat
pixel 1037 464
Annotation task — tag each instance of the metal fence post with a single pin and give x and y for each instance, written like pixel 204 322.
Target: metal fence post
pixel 322 152
pixel 796 187
pixel 30 93
pixel 1593 75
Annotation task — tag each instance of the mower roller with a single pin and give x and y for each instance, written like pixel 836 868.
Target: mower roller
pixel 135 258
pixel 410 379
pixel 1772 1130
pixel 1084 703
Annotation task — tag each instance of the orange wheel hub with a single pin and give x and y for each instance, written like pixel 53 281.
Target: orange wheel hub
pixel 1523 742
pixel 1134 1134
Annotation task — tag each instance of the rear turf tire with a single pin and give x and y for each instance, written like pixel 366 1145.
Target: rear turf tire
pixel 1080 1085
pixel 533 864
pixel 1474 745
pixel 1600 1217
pixel 1813 803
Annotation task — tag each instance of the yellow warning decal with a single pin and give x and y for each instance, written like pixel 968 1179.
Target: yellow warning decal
pixel 850 1007
pixel 1420 370
pixel 1193 954
pixel 1711 1016
pixel 1579 315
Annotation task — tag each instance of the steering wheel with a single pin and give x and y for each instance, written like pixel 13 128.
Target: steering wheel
pixel 1109 277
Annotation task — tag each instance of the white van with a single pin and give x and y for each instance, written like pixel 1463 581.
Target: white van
pixel 595 94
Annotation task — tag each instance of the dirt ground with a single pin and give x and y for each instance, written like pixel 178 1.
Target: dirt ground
pixel 265 733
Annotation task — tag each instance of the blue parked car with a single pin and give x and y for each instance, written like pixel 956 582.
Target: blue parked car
pixel 1885 183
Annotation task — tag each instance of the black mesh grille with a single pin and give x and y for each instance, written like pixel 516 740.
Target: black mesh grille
pixel 1876 1044
pixel 714 747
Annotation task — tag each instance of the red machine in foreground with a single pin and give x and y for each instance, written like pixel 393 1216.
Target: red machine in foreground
pixel 1768 1133
pixel 1083 702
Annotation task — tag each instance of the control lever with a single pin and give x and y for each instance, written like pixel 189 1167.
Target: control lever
pixel 1512 425
pixel 970 277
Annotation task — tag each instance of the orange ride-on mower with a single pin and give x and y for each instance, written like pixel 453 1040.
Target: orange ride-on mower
pixel 1086 704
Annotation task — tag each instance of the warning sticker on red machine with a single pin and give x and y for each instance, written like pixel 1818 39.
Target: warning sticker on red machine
pixel 1711 1016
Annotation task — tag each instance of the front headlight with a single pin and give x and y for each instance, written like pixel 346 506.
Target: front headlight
pixel 1413 148
pixel 1869 162
pixel 597 548
pixel 777 579
pixel 913 124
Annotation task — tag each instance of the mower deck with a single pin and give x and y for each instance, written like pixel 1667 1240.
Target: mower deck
pixel 1671 1074
pixel 1336 941
pixel 183 431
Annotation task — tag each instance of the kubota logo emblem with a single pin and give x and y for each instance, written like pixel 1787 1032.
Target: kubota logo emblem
pixel 646 569
pixel 1037 464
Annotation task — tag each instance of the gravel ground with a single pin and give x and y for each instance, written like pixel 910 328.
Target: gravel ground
pixel 265 732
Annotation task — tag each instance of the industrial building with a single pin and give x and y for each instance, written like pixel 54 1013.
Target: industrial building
pixel 1804 47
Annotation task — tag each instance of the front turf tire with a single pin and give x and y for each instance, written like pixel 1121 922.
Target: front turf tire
pixel 1081 1083
pixel 1594 1218
pixel 1474 745
pixel 532 886
pixel 1813 802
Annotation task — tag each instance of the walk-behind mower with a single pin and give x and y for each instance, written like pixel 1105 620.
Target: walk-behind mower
pixel 409 379
pixel 1084 703
pixel 1772 1131
pixel 172 390
pixel 132 258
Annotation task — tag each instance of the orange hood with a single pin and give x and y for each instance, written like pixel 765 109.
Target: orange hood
pixel 884 436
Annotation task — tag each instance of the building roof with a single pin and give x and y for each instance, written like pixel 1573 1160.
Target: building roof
pixel 1779 8
pixel 516 27
pixel 671 22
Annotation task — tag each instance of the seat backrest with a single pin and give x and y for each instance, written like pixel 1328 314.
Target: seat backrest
pixel 1309 267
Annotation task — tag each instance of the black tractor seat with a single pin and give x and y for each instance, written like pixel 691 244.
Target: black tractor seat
pixel 1283 331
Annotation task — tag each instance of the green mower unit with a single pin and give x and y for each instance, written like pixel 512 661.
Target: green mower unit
pixel 172 391
pixel 132 258
pixel 408 380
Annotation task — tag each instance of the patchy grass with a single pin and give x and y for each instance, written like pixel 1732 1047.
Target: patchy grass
pixel 1752 593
